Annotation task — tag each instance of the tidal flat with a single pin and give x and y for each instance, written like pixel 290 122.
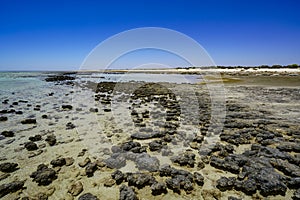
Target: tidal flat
pixel 170 134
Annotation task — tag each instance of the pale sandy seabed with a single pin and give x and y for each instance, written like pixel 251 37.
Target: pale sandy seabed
pixel 263 101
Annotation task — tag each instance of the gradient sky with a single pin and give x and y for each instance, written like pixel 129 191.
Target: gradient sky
pixel 58 35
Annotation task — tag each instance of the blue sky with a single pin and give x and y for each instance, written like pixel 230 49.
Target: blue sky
pixel 58 35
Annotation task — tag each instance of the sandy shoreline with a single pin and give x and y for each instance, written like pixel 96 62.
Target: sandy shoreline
pixel 259 135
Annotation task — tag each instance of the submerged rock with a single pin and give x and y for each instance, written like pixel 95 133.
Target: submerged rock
pixel 259 174
pixel 286 167
pixel 145 162
pixel 180 179
pixel 59 78
pixel 58 162
pixel 227 165
pixel 158 188
pixel 10 187
pixel 8 167
pixel 225 183
pixel 3 118
pixel 185 159
pixel 234 198
pixel 70 125
pixel 118 176
pixel 249 186
pixel 148 135
pixel 198 178
pixel 94 110
pixel 28 121
pixel 87 196
pixel 139 180
pixel 43 175
pixel 31 146
pixel 155 145
pixel 4 176
pixel 116 161
pixel 90 169
pixel 270 182
pixel 127 193
pixel 35 138
pixel 44 116
pixel 67 107
pixel 8 133
pixel 293 183
pixel 180 182
pixel 51 139
pixel 127 146
pixel 296 194
pixel 289 147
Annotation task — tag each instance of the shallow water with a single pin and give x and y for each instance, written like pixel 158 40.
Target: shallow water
pixel 97 132
pixel 18 81
pixel 146 77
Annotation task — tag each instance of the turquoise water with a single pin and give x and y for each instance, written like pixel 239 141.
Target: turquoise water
pixel 146 77
pixel 18 81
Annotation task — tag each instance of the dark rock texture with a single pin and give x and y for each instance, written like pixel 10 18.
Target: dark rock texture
pixel 116 161
pixel 10 187
pixel 286 167
pixel 35 138
pixel 158 188
pixel 3 118
pixel 51 139
pixel 269 182
pixel 28 121
pixel 8 167
pixel 296 194
pixel 8 133
pixel 293 183
pixel 146 162
pixel 94 110
pixel 31 146
pixel 59 78
pixel 90 169
pixel 70 125
pixel 225 183
pixel 144 136
pixel 255 169
pixel 139 180
pixel 185 159
pixel 118 176
pixel 58 162
pixel 180 179
pixel 44 116
pixel 289 147
pixel 155 145
pixel 222 164
pixel 127 193
pixel 198 178
pixel 67 107
pixel 128 146
pixel 43 175
pixel 87 196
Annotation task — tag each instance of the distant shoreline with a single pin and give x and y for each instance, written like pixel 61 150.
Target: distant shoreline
pixel 179 69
